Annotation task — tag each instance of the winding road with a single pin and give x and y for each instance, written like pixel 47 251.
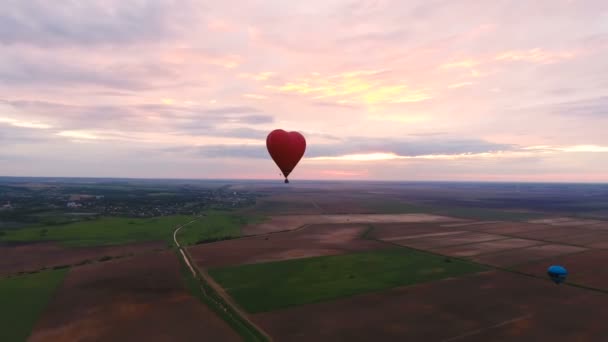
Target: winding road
pixel 201 275
pixel 186 259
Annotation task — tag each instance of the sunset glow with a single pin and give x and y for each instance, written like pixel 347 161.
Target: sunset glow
pixel 381 89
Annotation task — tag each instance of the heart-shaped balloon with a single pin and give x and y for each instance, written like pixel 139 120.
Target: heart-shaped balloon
pixel 286 149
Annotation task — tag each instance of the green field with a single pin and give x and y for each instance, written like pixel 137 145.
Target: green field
pixel 103 231
pixel 270 286
pixel 473 213
pixel 22 300
pixel 216 225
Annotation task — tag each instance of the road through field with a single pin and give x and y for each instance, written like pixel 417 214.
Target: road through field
pixel 186 260
pixel 204 276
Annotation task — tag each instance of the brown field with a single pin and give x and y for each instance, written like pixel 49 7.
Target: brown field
pixel 566 221
pixel 395 231
pixel 286 205
pixel 432 242
pixel 582 238
pixel 593 236
pixel 523 255
pixel 507 228
pixel 133 299
pixel 468 250
pixel 554 232
pixel 302 201
pixel 313 240
pixel 492 306
pixel 291 222
pixel 497 244
pixel 32 256
pixel 586 268
pixel 279 224
pixel 470 223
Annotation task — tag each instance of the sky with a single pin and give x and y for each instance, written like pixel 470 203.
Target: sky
pixel 463 90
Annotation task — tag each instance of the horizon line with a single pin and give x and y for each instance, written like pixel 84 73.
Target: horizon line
pixel 315 180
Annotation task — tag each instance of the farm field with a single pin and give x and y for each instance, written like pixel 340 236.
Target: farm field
pixel 28 257
pixel 281 223
pixel 142 298
pixel 324 263
pixel 22 300
pixel 270 286
pixel 487 306
pixel 103 231
pixel 108 231
pixel 313 240
pixel 320 283
pixel 216 226
pixel 314 203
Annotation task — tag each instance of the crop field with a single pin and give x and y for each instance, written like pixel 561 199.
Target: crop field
pixel 216 226
pixel 270 286
pixel 104 231
pixel 487 306
pixel 34 256
pixel 311 241
pixel 323 202
pixel 142 298
pixel 22 300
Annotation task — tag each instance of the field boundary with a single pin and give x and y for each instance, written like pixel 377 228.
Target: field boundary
pixel 494 267
pixel 214 296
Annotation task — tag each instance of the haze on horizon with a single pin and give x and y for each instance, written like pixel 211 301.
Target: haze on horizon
pixel 390 90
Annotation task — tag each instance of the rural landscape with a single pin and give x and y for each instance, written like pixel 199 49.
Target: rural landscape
pixel 267 261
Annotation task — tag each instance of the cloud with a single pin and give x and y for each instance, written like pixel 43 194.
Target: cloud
pixel 536 55
pixel 405 147
pixel 574 148
pixel 226 151
pixel 596 107
pixel 24 124
pixel 390 36
pixel 261 76
pixel 255 96
pixel 353 87
pixel 148 75
pixel 25 69
pixel 460 85
pixel 467 63
pixel 232 110
pixel 11 134
pixel 43 23
pixel 362 149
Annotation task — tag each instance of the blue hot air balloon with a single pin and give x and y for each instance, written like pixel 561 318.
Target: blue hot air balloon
pixel 557 273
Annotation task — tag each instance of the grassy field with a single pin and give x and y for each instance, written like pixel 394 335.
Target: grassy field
pixel 22 300
pixel 269 286
pixel 396 207
pixel 216 225
pixel 103 231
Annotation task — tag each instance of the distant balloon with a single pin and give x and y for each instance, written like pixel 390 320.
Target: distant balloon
pixel 286 149
pixel 557 273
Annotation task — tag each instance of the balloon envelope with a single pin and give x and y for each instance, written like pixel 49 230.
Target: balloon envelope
pixel 286 149
pixel 557 273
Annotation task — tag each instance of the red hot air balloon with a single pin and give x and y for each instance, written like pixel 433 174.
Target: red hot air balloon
pixel 286 149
